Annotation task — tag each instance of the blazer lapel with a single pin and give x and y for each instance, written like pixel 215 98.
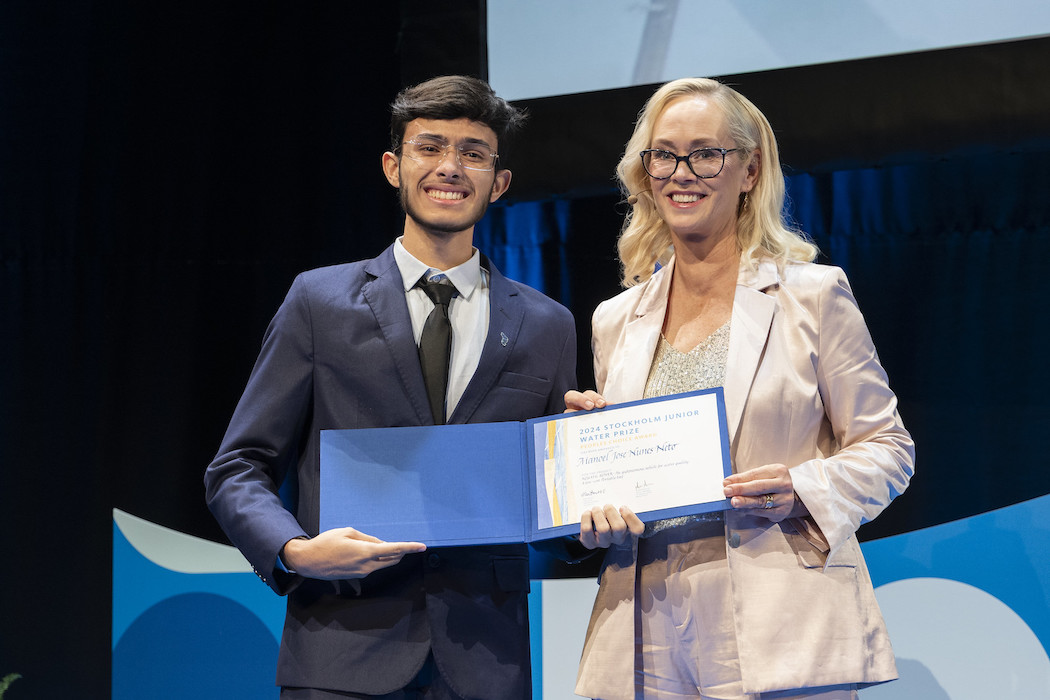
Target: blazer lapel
pixel 641 338
pixel 753 311
pixel 506 314
pixel 385 295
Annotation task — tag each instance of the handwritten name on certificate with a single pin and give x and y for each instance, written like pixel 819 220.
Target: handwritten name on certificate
pixel 649 455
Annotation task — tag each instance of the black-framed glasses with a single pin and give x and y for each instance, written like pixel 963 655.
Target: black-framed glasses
pixel 473 156
pixel 703 162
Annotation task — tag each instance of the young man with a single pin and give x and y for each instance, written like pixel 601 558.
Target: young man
pixel 368 618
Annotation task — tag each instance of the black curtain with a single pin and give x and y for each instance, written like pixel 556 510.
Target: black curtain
pixel 166 169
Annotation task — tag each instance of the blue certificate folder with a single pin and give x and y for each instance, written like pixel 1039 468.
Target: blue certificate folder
pixel 466 484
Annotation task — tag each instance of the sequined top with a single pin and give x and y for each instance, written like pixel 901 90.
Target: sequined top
pixel 676 372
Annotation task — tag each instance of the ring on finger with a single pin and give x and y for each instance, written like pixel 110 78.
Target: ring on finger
pixel 769 502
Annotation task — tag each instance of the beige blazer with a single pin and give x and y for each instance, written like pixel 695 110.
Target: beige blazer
pixel 803 387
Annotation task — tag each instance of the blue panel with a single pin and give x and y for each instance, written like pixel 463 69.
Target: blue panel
pixel 196 645
pixel 1001 552
pixel 139 584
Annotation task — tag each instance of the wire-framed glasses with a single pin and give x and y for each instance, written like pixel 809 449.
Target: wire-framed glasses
pixel 473 156
pixel 703 162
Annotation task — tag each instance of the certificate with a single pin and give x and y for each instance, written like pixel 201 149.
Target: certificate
pixel 661 458
pixel 519 482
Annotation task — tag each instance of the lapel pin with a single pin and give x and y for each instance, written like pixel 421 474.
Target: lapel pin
pixel 503 339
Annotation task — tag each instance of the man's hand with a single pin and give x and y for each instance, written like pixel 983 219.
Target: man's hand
pixel 344 553
pixel 601 527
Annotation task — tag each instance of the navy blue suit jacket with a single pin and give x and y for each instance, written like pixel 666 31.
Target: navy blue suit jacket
pixel 339 353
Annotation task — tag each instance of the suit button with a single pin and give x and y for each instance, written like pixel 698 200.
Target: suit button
pixel 433 560
pixel 734 540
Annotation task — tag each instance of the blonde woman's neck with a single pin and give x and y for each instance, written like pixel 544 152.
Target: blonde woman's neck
pixel 701 296
pixel 701 268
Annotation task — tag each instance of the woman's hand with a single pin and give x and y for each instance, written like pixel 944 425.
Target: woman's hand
pixel 601 527
pixel 583 400
pixel 765 491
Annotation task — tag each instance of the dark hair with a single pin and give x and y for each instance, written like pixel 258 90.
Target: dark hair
pixel 454 97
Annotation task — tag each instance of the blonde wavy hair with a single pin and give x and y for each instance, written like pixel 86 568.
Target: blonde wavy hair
pixel 762 227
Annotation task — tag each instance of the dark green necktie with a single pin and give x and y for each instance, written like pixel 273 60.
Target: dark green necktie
pixel 435 345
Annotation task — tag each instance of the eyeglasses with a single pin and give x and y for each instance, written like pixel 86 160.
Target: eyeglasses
pixel 703 162
pixel 472 156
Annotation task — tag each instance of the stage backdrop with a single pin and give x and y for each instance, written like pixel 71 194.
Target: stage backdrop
pixel 167 168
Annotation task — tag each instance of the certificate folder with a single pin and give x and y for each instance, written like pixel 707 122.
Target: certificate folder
pixel 489 483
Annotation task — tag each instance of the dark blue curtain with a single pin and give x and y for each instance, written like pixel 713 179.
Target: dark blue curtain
pixel 947 259
pixel 528 242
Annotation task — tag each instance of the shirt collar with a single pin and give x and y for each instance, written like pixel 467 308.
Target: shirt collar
pixel 465 277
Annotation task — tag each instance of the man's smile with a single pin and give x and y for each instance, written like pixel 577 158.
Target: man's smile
pixel 434 193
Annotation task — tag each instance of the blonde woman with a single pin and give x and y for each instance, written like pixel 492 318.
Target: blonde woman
pixel 771 599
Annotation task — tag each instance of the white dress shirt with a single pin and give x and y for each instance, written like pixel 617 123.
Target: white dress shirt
pixel 468 313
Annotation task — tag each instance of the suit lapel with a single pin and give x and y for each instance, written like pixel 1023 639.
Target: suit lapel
pixel 385 295
pixel 641 338
pixel 506 314
pixel 753 311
